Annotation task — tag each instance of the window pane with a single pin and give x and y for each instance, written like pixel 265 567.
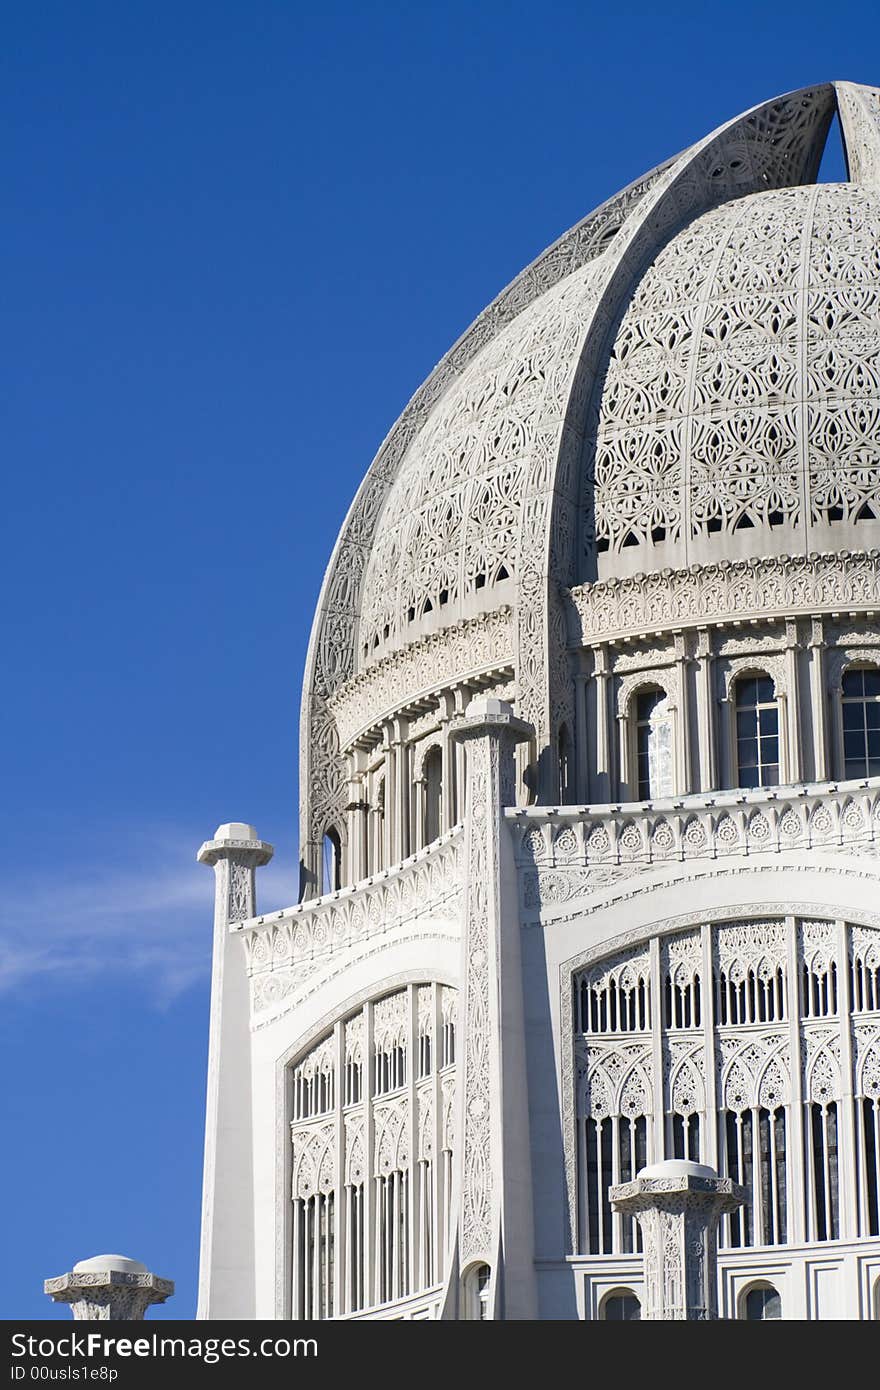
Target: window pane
pixel 765 690
pixel 746 723
pixel 853 743
pixel 872 714
pixel 871 678
pixel 854 714
pixel 769 720
pixel 647 702
pixel 746 693
pixel 748 752
pixel 853 682
pixel 748 777
pixel 770 775
pixel 770 750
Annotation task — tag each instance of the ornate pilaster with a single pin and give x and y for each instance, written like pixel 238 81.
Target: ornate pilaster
pixel 678 1205
pixel 491 990
pixel 226 1276
pixel 109 1288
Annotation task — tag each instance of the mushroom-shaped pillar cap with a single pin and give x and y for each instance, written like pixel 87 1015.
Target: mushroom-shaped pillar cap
pixel 234 837
pixel 235 830
pixel 107 1264
pixel 482 706
pixel 677 1168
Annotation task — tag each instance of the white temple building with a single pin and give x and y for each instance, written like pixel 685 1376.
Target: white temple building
pixel 590 787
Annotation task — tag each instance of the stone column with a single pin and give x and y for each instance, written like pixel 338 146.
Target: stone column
pixel 356 810
pixel 681 751
pixel 492 1185
pixel 706 721
pixel 819 701
pixel 582 752
pixel 604 789
pixel 793 681
pixel 109 1288
pixel 226 1274
pixel 678 1205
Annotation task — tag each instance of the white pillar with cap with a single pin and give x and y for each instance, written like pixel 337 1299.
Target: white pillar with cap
pixel 678 1204
pixel 109 1288
pixel 226 1267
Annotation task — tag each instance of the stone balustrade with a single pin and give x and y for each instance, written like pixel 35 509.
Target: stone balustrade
pixel 563 852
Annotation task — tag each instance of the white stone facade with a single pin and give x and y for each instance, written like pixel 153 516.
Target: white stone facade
pixel 590 787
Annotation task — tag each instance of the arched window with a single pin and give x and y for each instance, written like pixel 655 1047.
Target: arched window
pixel 860 699
pixel 331 861
pixel 653 745
pixel 476 1293
pixel 620 1306
pixel 760 1303
pixel 432 774
pixel 371 1233
pixel 757 732
pixel 566 780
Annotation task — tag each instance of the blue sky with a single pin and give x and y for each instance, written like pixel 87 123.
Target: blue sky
pixel 236 239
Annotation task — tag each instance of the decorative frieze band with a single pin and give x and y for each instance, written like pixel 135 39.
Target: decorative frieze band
pixel 561 859
pixel 839 582
pixel 469 648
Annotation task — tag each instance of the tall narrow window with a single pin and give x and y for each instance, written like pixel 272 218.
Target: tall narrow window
pixel 653 748
pixel 860 697
pixel 757 732
pixel 476 1293
pixel 331 865
pixel 566 780
pixel 433 778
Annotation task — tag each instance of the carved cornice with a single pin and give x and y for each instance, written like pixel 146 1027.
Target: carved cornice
pixel 771 588
pixel 468 648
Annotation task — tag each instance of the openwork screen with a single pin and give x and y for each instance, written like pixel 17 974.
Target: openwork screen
pixel 371 1114
pixel 752 336
pixel 729 1044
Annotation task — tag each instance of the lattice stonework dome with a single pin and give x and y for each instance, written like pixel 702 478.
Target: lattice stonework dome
pixel 689 375
pixel 743 388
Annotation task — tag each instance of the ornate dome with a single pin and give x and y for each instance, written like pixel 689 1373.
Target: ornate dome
pixel 689 374
pixel 742 391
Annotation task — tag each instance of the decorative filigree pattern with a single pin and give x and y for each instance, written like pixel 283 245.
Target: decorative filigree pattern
pixel 750 345
pixel 779 1088
pixel 466 649
pixel 362 1156
pixel 736 589
pixel 600 849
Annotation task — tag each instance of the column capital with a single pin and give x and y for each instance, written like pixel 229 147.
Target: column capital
pixel 490 716
pixel 231 841
pixel 109 1288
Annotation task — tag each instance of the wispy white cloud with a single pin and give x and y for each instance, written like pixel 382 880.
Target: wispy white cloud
pixel 149 920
